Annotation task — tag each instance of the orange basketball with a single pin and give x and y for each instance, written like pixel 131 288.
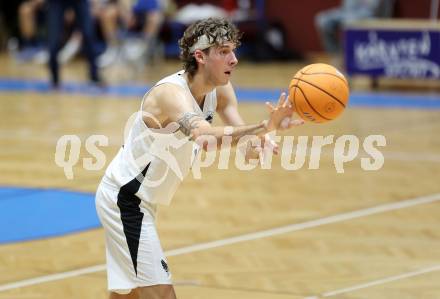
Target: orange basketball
pixel 319 92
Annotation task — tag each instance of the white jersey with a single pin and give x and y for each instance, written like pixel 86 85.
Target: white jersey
pixel 150 164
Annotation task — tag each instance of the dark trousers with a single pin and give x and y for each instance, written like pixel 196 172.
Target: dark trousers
pixel 83 21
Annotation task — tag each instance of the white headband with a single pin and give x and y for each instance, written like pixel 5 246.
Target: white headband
pixel 204 42
pixel 201 44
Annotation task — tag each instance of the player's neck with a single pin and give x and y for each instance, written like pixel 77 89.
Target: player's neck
pixel 199 86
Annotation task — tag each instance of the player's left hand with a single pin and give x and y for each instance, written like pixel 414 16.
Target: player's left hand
pixel 281 115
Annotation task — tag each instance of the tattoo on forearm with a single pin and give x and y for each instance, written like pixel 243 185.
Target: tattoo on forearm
pixel 188 122
pixel 248 130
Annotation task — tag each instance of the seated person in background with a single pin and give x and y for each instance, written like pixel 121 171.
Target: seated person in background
pixel 30 14
pixel 141 15
pixel 329 22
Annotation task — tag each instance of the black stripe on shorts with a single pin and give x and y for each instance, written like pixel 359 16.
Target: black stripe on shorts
pixel 131 215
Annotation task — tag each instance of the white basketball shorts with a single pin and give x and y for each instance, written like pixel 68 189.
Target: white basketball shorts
pixel 134 255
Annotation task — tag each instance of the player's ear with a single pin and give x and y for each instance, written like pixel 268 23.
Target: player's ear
pixel 199 56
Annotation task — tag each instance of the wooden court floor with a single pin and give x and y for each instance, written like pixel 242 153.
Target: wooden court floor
pixel 307 233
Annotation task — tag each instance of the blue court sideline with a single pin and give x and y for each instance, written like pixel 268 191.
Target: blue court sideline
pixel 31 213
pixel 362 99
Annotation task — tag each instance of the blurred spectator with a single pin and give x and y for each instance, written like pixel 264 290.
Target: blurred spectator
pixel 74 42
pixel 329 22
pixel 56 10
pixel 235 10
pixel 141 21
pixel 31 14
pixel 182 13
pixel 191 13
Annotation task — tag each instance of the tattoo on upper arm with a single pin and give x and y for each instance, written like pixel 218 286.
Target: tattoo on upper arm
pixel 188 122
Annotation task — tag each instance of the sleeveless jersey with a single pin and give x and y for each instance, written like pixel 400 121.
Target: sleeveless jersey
pixel 158 161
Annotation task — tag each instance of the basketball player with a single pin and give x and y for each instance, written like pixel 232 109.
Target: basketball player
pixel 181 106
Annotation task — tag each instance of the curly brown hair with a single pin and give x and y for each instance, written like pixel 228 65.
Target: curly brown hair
pixel 218 30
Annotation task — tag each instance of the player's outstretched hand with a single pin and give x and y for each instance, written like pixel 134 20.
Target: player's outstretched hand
pixel 280 116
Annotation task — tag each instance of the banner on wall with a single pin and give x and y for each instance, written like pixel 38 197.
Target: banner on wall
pixel 393 53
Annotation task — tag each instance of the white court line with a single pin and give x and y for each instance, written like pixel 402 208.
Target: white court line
pixel 51 277
pixel 377 282
pixel 246 237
